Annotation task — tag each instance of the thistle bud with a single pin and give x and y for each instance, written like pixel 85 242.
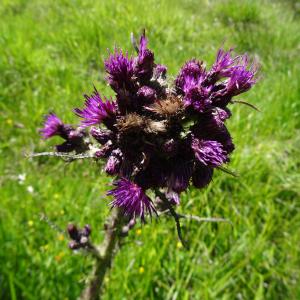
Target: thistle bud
pixel 73 245
pixel 146 94
pixel 160 71
pixel 83 240
pixel 86 230
pixel 101 135
pixel 131 223
pixel 113 163
pixel 73 232
pixel 104 151
pixel 125 230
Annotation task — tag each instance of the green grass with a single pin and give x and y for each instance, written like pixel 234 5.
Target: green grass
pixel 51 52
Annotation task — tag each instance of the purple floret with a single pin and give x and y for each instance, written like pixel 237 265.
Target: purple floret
pixel 241 80
pixel 120 72
pixel 54 126
pixel 223 66
pixel 160 71
pixel 96 110
pixel 146 95
pixel 190 75
pixel 209 153
pixel 198 98
pixel 144 63
pixel 131 198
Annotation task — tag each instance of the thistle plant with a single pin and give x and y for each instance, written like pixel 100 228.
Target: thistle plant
pixel 156 137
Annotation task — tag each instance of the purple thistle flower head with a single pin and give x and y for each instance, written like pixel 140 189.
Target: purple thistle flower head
pixel 131 198
pixel 198 98
pixel 211 122
pixel 96 110
pixel 160 71
pixel 120 72
pixel 223 65
pixel 241 80
pixel 190 75
pixel 210 127
pixel 54 126
pixel 144 63
pixel 155 136
pixel 146 94
pixel 209 153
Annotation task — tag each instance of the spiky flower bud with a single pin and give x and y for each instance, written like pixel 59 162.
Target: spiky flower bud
pixel 79 237
pixel 101 135
pixel 73 231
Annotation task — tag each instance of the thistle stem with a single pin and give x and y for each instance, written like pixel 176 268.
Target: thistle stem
pixel 105 254
pixel 61 154
pixel 174 215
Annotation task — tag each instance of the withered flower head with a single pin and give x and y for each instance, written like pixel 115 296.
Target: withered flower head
pixel 157 135
pixel 131 123
pixel 171 106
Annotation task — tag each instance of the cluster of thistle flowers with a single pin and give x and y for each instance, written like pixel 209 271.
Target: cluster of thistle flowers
pixel 156 134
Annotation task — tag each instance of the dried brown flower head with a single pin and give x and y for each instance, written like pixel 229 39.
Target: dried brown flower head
pixel 171 106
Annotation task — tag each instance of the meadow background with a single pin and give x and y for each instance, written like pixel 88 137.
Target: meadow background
pixel 51 52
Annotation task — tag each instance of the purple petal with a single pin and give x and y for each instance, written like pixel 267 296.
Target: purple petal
pixel 120 71
pixel 144 63
pixel 209 153
pixel 54 126
pixel 160 71
pixel 190 75
pixel 131 198
pixel 96 110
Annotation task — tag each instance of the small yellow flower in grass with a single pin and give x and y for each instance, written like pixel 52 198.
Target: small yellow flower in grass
pixel 9 122
pixel 62 212
pixel 30 223
pixel 179 245
pixel 60 237
pixel 45 247
pixel 138 231
pixel 56 196
pixel 59 256
pixel 141 270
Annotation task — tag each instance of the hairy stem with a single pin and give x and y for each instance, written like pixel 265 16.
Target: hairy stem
pixel 104 256
pixel 61 154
